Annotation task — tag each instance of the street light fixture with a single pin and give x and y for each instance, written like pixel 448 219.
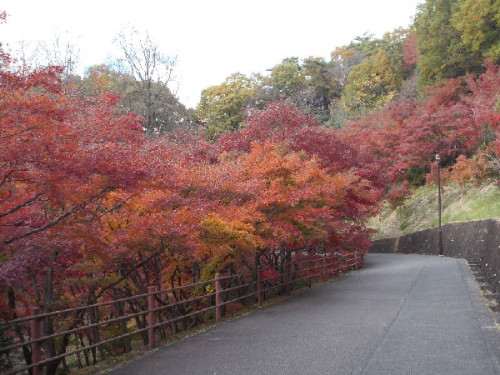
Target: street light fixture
pixel 440 233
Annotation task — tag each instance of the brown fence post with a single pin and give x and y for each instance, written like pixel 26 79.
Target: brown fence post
pixel 151 317
pixel 36 347
pixel 259 286
pixel 217 298
pixel 324 268
pixel 288 277
pixel 309 271
pixel 314 262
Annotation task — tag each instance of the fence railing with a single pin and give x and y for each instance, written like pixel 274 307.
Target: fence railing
pixel 82 336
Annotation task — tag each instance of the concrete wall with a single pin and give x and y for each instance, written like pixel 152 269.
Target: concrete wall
pixel 476 241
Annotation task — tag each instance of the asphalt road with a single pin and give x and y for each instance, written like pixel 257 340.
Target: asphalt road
pixel 401 315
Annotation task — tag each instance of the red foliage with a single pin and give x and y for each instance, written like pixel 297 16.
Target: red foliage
pixel 484 97
pixel 279 122
pixel 457 119
pixel 362 186
pixel 57 153
pixel 410 53
pixel 398 194
pixel 61 162
pixel 271 275
pixel 471 171
pixel 443 124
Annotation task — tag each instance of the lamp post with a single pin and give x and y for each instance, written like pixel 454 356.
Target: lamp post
pixel 440 233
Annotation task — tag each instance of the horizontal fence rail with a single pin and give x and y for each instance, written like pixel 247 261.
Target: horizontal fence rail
pixel 97 330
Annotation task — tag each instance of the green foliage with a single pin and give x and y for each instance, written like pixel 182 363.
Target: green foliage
pixel 442 53
pixel 416 176
pixel 478 21
pixel 366 74
pixel 316 74
pixel 318 90
pixel 372 83
pixel 364 44
pixel 403 225
pixel 222 107
pixel 286 77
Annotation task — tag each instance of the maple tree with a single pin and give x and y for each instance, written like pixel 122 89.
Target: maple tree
pixel 471 171
pixel 485 102
pixel 457 119
pixel 409 53
pixel 60 160
pixel 285 125
pixel 443 125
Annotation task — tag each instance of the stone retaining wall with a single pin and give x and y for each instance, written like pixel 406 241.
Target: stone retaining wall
pixel 476 241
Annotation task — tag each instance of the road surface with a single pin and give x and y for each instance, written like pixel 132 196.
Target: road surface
pixel 401 315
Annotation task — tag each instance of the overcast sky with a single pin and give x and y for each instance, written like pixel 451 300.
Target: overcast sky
pixel 211 38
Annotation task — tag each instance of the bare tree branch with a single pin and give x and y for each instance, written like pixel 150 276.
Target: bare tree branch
pixel 58 219
pixel 151 71
pixel 21 205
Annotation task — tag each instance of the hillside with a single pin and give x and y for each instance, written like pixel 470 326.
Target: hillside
pixel 420 211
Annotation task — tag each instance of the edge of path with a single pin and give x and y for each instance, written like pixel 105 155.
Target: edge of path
pixel 487 319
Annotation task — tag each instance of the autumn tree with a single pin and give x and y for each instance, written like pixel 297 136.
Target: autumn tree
pixel 409 53
pixel 61 159
pixel 443 124
pixel 342 60
pixel 485 104
pixel 285 125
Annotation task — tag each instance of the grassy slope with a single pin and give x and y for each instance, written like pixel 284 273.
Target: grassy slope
pixel 420 211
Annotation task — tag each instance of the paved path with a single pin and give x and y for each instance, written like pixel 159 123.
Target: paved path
pixel 401 315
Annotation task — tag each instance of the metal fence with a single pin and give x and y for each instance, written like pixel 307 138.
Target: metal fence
pixel 81 336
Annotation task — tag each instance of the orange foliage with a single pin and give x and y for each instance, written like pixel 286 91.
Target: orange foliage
pixel 471 171
pixel 431 177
